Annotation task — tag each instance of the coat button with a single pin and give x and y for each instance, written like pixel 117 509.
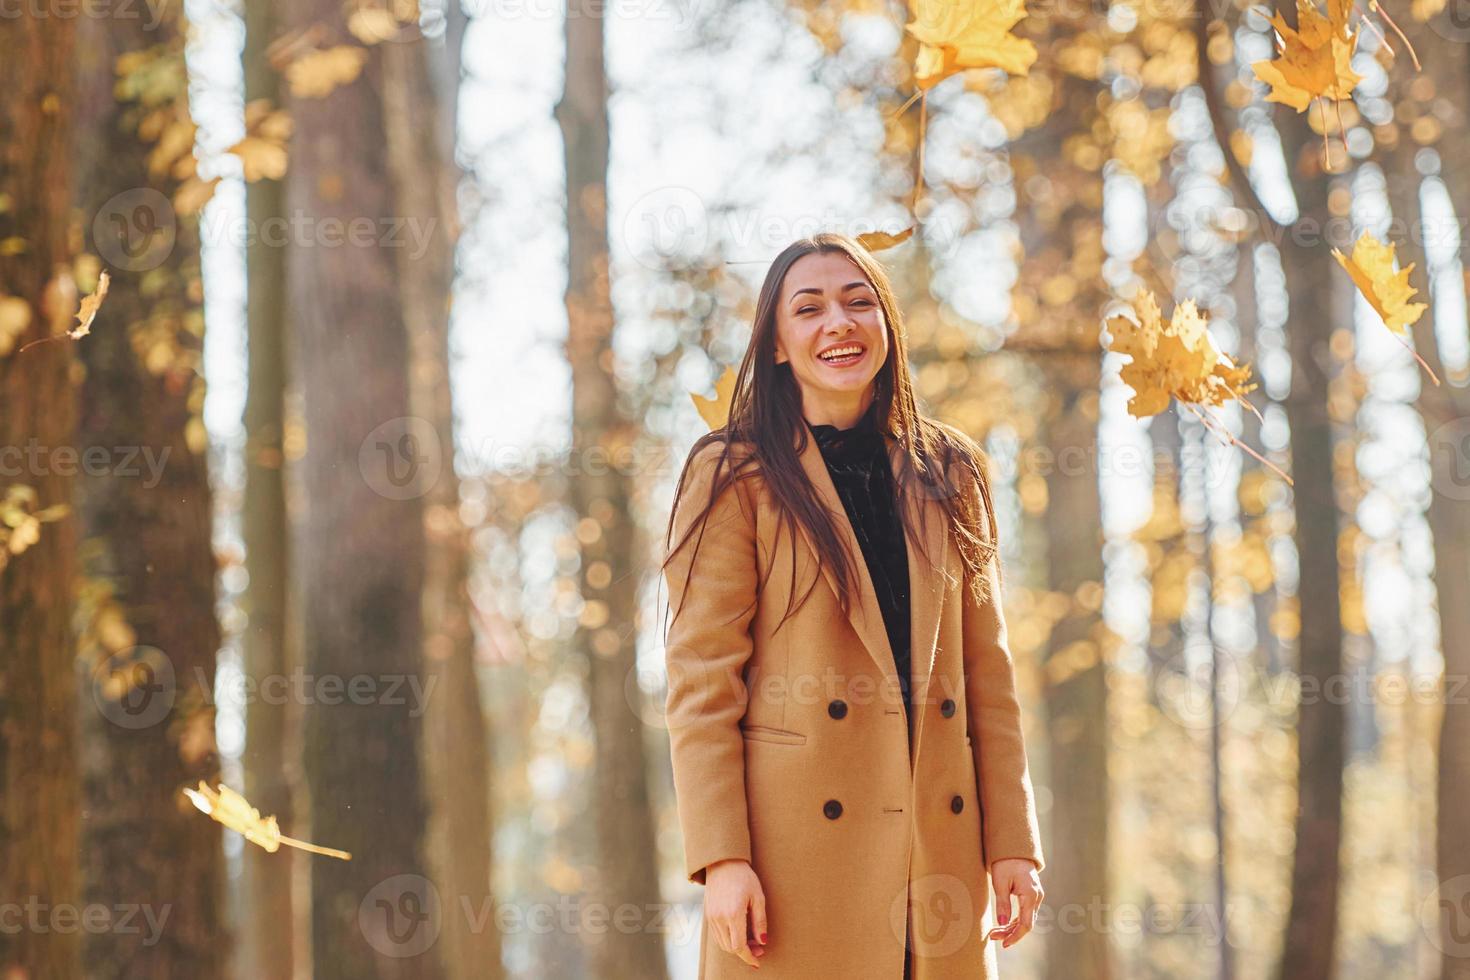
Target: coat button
pixel 946 707
pixel 837 709
pixel 956 804
pixel 833 809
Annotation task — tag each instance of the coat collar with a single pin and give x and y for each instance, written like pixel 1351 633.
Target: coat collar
pixel 927 582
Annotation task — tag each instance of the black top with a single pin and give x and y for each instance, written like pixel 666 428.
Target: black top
pixel 857 460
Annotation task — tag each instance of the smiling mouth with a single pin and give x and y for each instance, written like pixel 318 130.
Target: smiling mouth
pixel 844 355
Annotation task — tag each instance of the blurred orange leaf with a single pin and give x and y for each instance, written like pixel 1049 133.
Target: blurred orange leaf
pixel 716 411
pixel 318 73
pixel 877 241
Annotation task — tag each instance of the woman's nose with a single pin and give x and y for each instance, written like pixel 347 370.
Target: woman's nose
pixel 842 322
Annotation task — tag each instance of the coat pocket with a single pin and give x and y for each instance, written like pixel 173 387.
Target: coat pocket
pixel 764 733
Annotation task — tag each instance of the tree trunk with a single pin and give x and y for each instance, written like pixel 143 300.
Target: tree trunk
pixel 147 535
pixel 1061 234
pixel 1076 698
pixel 39 790
pixel 601 497
pixel 1443 409
pixel 457 754
pixel 361 555
pixel 270 926
pixel 1311 928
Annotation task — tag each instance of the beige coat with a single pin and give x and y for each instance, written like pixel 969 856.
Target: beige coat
pixel 789 747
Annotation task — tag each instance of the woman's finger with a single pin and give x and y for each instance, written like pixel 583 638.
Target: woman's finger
pixel 721 929
pixel 758 917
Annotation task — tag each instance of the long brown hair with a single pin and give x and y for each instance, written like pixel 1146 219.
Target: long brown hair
pixel 765 416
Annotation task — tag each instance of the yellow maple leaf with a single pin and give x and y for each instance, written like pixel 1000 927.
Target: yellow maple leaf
pixel 957 34
pixel 88 310
pixel 1314 61
pixel 234 811
pixel 1174 360
pixel 716 411
pixel 317 73
pixel 1387 291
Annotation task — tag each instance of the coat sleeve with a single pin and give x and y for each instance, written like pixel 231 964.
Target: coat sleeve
pixel 1007 804
pixel 707 647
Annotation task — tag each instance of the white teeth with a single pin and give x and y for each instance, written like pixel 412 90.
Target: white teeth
pixel 839 352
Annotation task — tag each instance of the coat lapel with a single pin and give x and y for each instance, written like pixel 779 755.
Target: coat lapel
pixel 926 582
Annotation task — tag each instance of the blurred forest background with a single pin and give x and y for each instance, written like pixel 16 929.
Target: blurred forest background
pixel 452 273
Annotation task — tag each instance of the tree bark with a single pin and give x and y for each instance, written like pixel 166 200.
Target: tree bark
pixel 147 536
pixel 1443 409
pixel 39 790
pixel 601 498
pixel 1061 235
pixel 457 754
pixel 269 917
pixel 1311 928
pixel 361 554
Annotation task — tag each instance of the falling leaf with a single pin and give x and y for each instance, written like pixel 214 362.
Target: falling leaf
pixel 89 307
pixel 1174 360
pixel 1387 291
pixel 235 812
pixel 716 411
pixel 317 73
pixel 959 34
pixel 877 241
pixel 1179 360
pixel 1314 61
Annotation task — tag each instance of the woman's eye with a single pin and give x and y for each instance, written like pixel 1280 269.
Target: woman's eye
pixel 805 309
pixel 864 302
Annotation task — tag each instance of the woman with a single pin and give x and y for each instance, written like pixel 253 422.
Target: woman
pixel 847 766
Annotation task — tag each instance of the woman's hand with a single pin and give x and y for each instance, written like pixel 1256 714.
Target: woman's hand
pixel 1018 877
pixel 735 908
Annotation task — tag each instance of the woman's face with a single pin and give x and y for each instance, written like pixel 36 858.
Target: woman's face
pixel 826 305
